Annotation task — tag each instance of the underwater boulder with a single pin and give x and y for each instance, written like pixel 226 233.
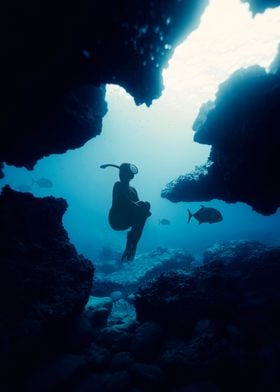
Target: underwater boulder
pixel 146 341
pixel 98 310
pixel 148 376
pixel 177 300
pixel 242 127
pixel 242 290
pixel 118 381
pixel 233 251
pixel 57 374
pixel 122 360
pixel 221 320
pixel 207 354
pixel 44 282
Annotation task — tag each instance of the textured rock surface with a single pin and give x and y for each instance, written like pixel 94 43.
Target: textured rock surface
pixel 55 56
pixel 222 320
pixel 242 128
pixel 127 277
pixel 43 281
pixel 221 289
pixel 215 329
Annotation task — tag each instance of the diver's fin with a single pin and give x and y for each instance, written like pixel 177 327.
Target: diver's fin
pixel 190 215
pixel 107 165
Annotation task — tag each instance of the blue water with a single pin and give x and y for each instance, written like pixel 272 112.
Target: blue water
pixel 159 140
pixel 145 137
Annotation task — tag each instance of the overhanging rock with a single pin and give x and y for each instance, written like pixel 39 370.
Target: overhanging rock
pixel 242 126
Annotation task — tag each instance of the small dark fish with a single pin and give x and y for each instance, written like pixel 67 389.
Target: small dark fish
pixel 206 215
pixel 164 222
pixel 43 183
pixel 24 188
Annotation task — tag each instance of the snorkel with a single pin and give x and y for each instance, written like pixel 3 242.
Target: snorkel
pixel 124 167
pixel 107 165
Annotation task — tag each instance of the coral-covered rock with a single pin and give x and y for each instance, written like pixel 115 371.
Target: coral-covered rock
pixel 240 289
pixel 56 57
pixel 242 128
pixel 221 321
pixel 43 281
pixel 229 252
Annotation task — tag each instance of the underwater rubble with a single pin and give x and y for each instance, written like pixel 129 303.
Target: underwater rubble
pixel 115 275
pixel 214 329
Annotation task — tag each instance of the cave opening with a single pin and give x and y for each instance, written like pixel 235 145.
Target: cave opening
pixel 159 140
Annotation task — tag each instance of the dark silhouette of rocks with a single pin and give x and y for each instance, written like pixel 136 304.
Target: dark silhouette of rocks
pixel 55 58
pixel 242 128
pixel 221 322
pixel 214 329
pixel 44 283
pixel 210 328
pixel 258 6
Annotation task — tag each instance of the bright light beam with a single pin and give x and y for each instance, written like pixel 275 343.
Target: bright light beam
pixel 228 38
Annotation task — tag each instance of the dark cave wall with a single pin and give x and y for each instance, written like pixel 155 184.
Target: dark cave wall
pixel 55 57
pixel 242 126
pixel 43 281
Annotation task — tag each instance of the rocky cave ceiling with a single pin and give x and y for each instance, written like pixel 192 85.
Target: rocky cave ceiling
pixel 56 59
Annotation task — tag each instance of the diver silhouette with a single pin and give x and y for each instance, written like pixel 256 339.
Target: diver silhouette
pixel 127 210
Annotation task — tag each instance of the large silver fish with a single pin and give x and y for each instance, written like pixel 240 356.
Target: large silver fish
pixel 206 215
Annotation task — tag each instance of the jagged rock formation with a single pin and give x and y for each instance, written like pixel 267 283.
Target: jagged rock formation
pixel 242 127
pixel 221 323
pixel 55 58
pixel 43 281
pixel 258 6
pixel 215 329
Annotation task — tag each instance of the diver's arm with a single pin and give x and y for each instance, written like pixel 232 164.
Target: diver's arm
pixel 122 197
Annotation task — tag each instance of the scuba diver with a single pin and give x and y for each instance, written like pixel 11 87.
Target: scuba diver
pixel 127 210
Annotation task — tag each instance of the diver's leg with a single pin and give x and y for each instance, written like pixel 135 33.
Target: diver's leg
pixel 134 235
pixel 129 247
